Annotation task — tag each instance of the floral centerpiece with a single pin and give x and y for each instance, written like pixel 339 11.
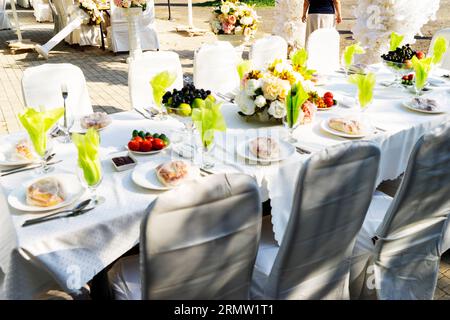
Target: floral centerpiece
pixel 263 92
pixel 235 18
pixel 91 8
pixel 131 4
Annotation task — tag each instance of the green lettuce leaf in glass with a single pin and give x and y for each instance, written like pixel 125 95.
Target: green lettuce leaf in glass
pixel 294 101
pixel 350 52
pixel 37 123
pixel 207 120
pixel 244 67
pixel 88 156
pixel 365 84
pixel 160 84
pixel 396 41
pixel 422 68
pixel 439 48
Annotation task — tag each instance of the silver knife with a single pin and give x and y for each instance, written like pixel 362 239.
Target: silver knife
pixel 12 171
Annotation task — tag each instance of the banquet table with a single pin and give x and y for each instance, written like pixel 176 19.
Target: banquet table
pixel 72 251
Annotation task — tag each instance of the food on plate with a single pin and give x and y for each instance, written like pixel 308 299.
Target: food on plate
pixel 172 173
pixel 186 99
pixel 22 151
pixel 349 126
pixel 264 148
pixel 96 120
pixel 325 102
pixel 408 80
pixel 424 104
pixel 45 192
pixel 145 141
pixel 402 54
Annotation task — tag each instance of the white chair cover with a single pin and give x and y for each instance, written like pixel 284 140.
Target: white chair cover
pixel 197 242
pixel 42 11
pixel 333 193
pixel 323 50
pixel 118 31
pixel 85 35
pixel 41 86
pixel 215 67
pixel 397 252
pixel 446 34
pixel 4 21
pixel 266 50
pixel 142 70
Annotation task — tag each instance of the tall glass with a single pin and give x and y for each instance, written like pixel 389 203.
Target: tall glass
pixel 90 184
pixel 207 158
pixel 291 126
pixel 44 156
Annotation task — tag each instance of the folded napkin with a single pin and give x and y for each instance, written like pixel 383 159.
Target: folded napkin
pixel 88 156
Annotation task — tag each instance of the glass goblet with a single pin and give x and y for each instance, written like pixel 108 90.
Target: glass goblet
pixel 207 161
pixel 184 116
pixel 91 185
pixel 291 126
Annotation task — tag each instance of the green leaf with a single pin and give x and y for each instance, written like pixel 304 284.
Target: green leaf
pixel 350 51
pixel 396 41
pixel 244 67
pixel 207 120
pixel 88 158
pixel 365 84
pixel 160 83
pixel 439 48
pixel 422 69
pixel 37 123
pixel 300 57
pixel 295 99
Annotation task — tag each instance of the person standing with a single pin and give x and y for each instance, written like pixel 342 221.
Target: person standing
pixel 321 14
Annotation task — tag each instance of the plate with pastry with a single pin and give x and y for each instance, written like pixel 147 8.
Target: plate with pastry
pixel 17 153
pixel 46 193
pixel 164 175
pixel 424 105
pixel 346 127
pixel 265 149
pixel 96 120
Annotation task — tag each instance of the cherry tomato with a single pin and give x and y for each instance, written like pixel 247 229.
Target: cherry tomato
pixel 329 102
pixel 134 145
pixel 149 138
pixel 146 146
pixel 158 144
pixel 138 139
pixel 328 95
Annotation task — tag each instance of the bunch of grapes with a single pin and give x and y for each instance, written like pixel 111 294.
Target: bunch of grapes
pixel 186 95
pixel 400 55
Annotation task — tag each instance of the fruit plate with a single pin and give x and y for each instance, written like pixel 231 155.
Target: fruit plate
pixel 72 188
pixel 286 150
pixel 147 153
pixel 144 175
pixel 330 108
pixel 365 132
pixel 410 107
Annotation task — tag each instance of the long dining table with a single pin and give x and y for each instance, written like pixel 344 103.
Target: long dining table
pixel 71 251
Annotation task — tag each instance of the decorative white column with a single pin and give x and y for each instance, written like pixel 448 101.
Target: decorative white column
pixel 134 40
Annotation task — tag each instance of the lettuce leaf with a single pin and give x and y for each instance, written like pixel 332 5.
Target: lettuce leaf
pixel 422 68
pixel 439 48
pixel 365 85
pixel 350 51
pixel 294 101
pixel 88 157
pixel 396 41
pixel 207 120
pixel 244 67
pixel 160 83
pixel 300 57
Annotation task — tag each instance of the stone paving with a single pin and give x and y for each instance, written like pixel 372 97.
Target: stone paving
pixel 106 72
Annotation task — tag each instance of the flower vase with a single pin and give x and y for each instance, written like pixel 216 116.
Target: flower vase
pixel 134 41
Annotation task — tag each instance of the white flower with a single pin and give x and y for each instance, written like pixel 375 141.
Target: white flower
pixel 251 86
pixel 260 101
pixel 245 103
pixel 277 109
pixel 308 85
pixel 283 66
pixel 225 8
pixel 238 30
pixel 247 21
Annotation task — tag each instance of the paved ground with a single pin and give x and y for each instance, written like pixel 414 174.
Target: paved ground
pixel 106 73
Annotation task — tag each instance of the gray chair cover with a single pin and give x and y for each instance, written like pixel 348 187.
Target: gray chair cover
pixel 406 254
pixel 333 192
pixel 200 240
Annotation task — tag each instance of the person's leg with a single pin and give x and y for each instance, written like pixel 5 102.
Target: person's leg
pixel 326 21
pixel 312 24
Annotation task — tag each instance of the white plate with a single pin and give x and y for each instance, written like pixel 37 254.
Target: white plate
pixel 140 153
pixel 72 188
pixel 330 108
pixel 144 175
pixel 7 146
pixel 407 105
pixel 286 150
pixel 366 131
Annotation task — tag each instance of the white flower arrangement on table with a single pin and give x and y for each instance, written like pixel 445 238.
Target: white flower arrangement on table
pixel 131 4
pixel 262 95
pixel 235 18
pixel 91 8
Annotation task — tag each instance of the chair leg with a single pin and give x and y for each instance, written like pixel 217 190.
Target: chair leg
pixel 170 12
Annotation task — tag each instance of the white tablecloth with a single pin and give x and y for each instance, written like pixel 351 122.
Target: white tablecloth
pixel 74 250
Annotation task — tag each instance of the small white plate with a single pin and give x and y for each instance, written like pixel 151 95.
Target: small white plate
pixel 6 147
pixel 140 153
pixel 144 175
pixel 286 150
pixel 330 108
pixel 408 106
pixel 366 131
pixel 72 188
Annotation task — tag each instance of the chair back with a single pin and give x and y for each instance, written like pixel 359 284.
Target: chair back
pixel 4 21
pixel 215 67
pixel 446 59
pixel 266 50
pixel 323 50
pixel 200 240
pixel 144 68
pixel 407 251
pixel 41 87
pixel 333 193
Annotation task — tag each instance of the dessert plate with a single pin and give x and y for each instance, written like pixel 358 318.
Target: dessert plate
pixel 365 131
pixel 73 190
pixel 286 150
pixel 7 148
pixel 410 107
